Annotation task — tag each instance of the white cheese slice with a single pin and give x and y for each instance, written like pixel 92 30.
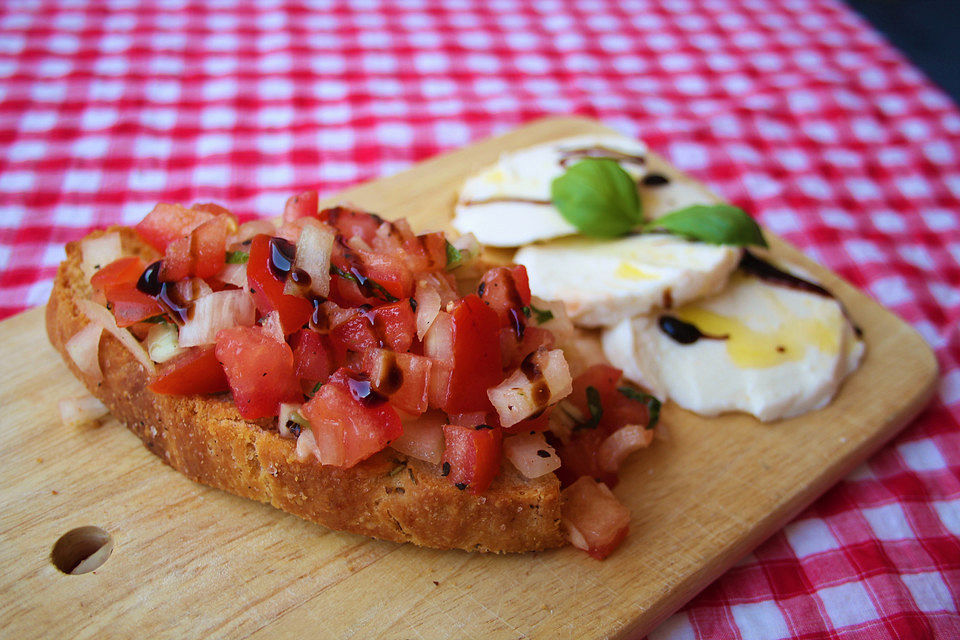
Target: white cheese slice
pixel 508 204
pixel 786 353
pixel 605 281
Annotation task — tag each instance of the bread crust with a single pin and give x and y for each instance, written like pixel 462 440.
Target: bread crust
pixel 388 496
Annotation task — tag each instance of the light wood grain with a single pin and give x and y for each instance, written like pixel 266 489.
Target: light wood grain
pixel 195 562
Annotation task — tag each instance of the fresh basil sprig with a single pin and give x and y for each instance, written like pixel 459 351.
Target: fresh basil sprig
pixel 542 315
pixel 597 197
pixel 711 223
pixel 596 410
pixel 600 199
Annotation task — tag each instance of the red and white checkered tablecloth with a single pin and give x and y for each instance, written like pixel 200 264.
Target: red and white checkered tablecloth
pixel 793 109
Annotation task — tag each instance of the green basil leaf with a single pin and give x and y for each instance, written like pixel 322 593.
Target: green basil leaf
pixel 713 224
pixel 596 410
pixel 653 405
pixel 454 257
pixel 597 197
pixel 237 257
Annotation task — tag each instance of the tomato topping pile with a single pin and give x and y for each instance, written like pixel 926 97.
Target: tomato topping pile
pixel 351 327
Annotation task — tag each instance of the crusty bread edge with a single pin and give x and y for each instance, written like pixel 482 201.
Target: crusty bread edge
pixel 388 496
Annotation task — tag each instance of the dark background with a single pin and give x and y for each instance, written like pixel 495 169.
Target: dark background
pixel 927 31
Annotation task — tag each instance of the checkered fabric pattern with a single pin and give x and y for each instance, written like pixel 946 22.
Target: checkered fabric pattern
pixel 794 109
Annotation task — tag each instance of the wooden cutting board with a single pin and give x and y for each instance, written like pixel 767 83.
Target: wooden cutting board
pixel 189 561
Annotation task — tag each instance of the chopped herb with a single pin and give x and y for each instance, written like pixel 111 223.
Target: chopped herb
pixel 461 485
pixel 543 315
pixel 454 257
pixel 237 257
pixel 543 453
pixel 446 469
pixel 653 405
pixel 397 469
pixel 294 428
pixel 481 427
pixel 596 410
pixel 316 388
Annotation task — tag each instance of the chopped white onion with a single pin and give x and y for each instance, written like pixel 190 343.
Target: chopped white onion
pixel 422 437
pixel 272 326
pixel 620 444
pixel 105 319
pixel 530 454
pixel 290 411
pixel 249 229
pixel 98 252
pixel 467 243
pixel 84 349
pixel 235 274
pixel 214 312
pixel 313 254
pixel 162 342
pixel 517 398
pixel 79 411
pixel 307 446
pixel 427 297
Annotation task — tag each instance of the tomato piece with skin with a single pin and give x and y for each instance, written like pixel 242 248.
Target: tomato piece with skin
pixel 195 372
pixel 395 324
pixel 169 222
pixel 300 206
pixel 201 253
pixel 267 288
pixel 260 370
pixel 471 456
pixel 120 271
pixel 356 334
pixel 130 305
pixel 403 377
pixel 352 223
pixel 507 291
pixel 593 518
pixel 314 357
pixel 475 359
pixel 349 421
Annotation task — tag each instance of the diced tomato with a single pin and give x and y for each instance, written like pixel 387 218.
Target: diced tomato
pixel 350 421
pixel 267 288
pixel 169 222
pixel 217 210
pixel 580 454
pixel 301 205
pixel 122 271
pixel 507 291
pixel 475 358
pixel 473 456
pixel 594 519
pixel 260 370
pixel 130 305
pixel 402 377
pixel 314 358
pixel 202 253
pixel 356 334
pixel 195 372
pixel 388 271
pixel 396 324
pixel 352 223
pixel 513 351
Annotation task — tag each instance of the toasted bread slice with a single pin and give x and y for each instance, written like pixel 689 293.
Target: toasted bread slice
pixel 388 496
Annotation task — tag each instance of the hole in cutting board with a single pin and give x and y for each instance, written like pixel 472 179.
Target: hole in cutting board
pixel 81 550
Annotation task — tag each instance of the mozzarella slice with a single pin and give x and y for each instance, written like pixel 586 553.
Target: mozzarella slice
pixel 605 281
pixel 786 352
pixel 508 204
